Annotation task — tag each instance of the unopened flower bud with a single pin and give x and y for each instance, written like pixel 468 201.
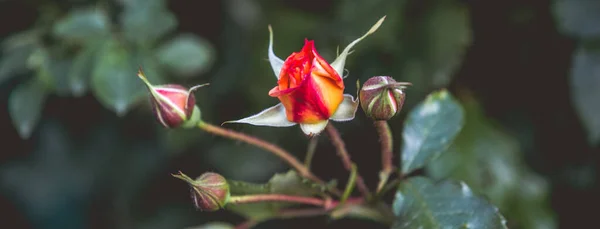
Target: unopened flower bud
pixel 173 105
pixel 210 191
pixel 381 97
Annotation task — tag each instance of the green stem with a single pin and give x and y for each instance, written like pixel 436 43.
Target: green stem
pixel 310 152
pixel 337 141
pixel 350 185
pixel 278 198
pixel 388 187
pixel 386 139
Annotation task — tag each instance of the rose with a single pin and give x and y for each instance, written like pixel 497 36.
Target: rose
pixel 310 90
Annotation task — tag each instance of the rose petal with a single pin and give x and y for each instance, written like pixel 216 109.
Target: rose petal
pixel 339 62
pixel 313 129
pixel 276 62
pixel 272 116
pixel 346 110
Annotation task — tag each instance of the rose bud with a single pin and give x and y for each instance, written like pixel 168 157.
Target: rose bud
pixel 381 97
pixel 210 191
pixel 173 105
pixel 309 89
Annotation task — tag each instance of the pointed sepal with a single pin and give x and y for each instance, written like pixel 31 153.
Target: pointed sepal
pixel 340 61
pixel 276 62
pixel 272 116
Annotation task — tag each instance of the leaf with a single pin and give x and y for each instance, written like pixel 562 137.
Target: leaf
pixel 81 24
pixel 429 129
pixel 489 160
pixel 53 70
pixel 483 156
pixel 578 18
pixel 186 55
pixel 81 70
pixel 283 183
pixel 584 82
pixel 25 105
pixel 114 80
pixel 145 22
pixel 16 51
pixel 420 203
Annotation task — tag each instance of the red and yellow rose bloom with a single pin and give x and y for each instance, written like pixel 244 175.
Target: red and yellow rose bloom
pixel 311 90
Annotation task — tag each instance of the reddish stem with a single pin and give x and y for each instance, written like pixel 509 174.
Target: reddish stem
pixel 339 144
pixel 278 151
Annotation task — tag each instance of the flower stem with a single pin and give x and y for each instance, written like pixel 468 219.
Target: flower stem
pixel 278 198
pixel 337 141
pixel 385 137
pixel 310 152
pixel 278 151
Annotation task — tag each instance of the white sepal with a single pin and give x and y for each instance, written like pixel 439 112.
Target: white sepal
pixel 346 110
pixel 272 116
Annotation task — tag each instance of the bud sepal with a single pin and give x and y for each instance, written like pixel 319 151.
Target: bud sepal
pixel 381 97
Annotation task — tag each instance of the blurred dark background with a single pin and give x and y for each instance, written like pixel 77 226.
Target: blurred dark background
pixel 81 148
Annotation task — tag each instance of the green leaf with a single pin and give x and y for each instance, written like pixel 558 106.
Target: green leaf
pixel 81 24
pixel 186 54
pixel 429 129
pixel 82 68
pixel 283 183
pixel 585 81
pixel 214 225
pixel 53 70
pixel 488 159
pixel 114 80
pixel 578 18
pixel 483 156
pixel 146 22
pixel 25 105
pixel 420 203
pixel 16 51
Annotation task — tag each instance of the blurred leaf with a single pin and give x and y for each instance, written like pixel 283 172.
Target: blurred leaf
pixel 57 185
pixel 429 129
pixel 448 33
pixel 282 183
pixel 114 79
pixel 25 105
pixel 54 72
pixel 487 159
pixel 579 18
pixel 420 203
pixel 16 51
pixel 432 47
pixel 186 54
pixel 585 81
pixel 213 225
pixel 82 68
pixel 147 21
pixel 532 210
pixel 81 24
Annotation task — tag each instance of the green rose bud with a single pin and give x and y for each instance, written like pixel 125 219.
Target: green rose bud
pixel 381 97
pixel 173 105
pixel 210 191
